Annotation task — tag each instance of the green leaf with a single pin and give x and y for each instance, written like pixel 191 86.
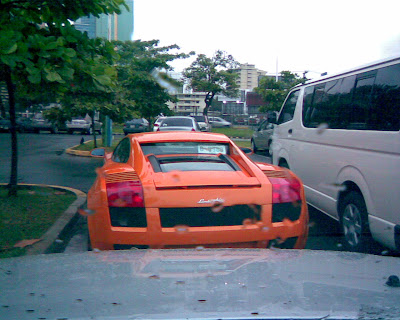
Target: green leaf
pixel 71 39
pixel 32 70
pixel 10 49
pixel 70 52
pixel 51 46
pixel 9 60
pixel 53 76
pixel 35 78
pixel 67 73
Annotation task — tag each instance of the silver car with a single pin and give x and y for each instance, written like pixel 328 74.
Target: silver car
pixel 203 122
pixel 262 137
pixel 217 122
pixel 83 125
pixel 179 124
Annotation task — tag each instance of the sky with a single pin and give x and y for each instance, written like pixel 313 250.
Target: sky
pixel 317 36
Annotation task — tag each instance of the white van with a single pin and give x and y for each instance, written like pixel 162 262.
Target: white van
pixel 340 135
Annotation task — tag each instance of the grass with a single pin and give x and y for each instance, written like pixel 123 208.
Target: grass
pixel 29 215
pixel 245 133
pixel 242 144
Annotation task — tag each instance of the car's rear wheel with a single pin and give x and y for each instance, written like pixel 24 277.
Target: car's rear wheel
pixel 354 222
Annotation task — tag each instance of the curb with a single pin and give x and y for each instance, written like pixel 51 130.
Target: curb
pixel 78 152
pixel 61 223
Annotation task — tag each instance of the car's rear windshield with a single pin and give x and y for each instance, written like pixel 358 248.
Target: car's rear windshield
pixel 136 121
pixel 183 147
pixel 193 163
pixel 200 118
pixel 177 122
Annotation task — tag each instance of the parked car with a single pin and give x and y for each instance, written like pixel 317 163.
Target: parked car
pixel 217 122
pixel 168 189
pixel 5 125
pixel 83 125
pixel 157 123
pixel 24 124
pixel 262 137
pixel 203 122
pixel 178 124
pixel 40 123
pixel 136 125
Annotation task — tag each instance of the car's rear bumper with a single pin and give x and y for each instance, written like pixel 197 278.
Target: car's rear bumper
pixel 104 236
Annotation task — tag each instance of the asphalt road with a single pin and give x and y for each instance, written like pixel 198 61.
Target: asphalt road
pixel 42 160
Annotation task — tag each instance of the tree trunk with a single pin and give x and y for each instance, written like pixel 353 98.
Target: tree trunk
pixel 208 100
pixel 12 191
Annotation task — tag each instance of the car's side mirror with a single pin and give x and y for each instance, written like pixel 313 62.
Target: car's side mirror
pixel 98 153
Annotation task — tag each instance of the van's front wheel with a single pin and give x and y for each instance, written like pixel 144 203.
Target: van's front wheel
pixel 354 223
pixel 253 146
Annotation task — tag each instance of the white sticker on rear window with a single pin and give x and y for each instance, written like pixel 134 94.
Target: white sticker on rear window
pixel 213 149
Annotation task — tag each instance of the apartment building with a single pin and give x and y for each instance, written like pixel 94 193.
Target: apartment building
pixel 188 103
pixel 249 76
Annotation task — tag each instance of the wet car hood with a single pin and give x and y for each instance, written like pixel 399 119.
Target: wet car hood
pixel 199 283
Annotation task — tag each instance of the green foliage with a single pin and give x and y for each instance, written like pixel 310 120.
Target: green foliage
pixel 141 84
pixel 274 92
pixel 40 48
pixel 216 75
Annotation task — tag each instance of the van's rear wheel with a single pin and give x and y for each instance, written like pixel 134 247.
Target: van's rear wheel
pixel 354 223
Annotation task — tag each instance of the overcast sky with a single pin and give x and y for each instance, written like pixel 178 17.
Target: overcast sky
pixel 320 36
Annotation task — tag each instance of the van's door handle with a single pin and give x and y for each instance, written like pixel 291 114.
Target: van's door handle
pixel 290 131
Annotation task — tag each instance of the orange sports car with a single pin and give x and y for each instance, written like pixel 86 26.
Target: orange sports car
pixel 189 189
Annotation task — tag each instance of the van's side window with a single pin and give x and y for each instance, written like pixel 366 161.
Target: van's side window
pixel 385 102
pixel 288 108
pixel 320 103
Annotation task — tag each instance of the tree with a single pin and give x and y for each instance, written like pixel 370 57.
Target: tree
pixel 142 80
pixel 216 75
pixel 274 92
pixel 39 48
pixel 139 88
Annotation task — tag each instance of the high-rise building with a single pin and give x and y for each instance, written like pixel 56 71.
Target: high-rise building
pixel 249 76
pixel 121 25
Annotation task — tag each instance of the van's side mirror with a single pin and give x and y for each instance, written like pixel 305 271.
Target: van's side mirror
pixel 272 118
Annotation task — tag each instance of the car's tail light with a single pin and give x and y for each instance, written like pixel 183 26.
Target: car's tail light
pixel 193 129
pixel 285 190
pixel 286 199
pixel 158 128
pixel 125 194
